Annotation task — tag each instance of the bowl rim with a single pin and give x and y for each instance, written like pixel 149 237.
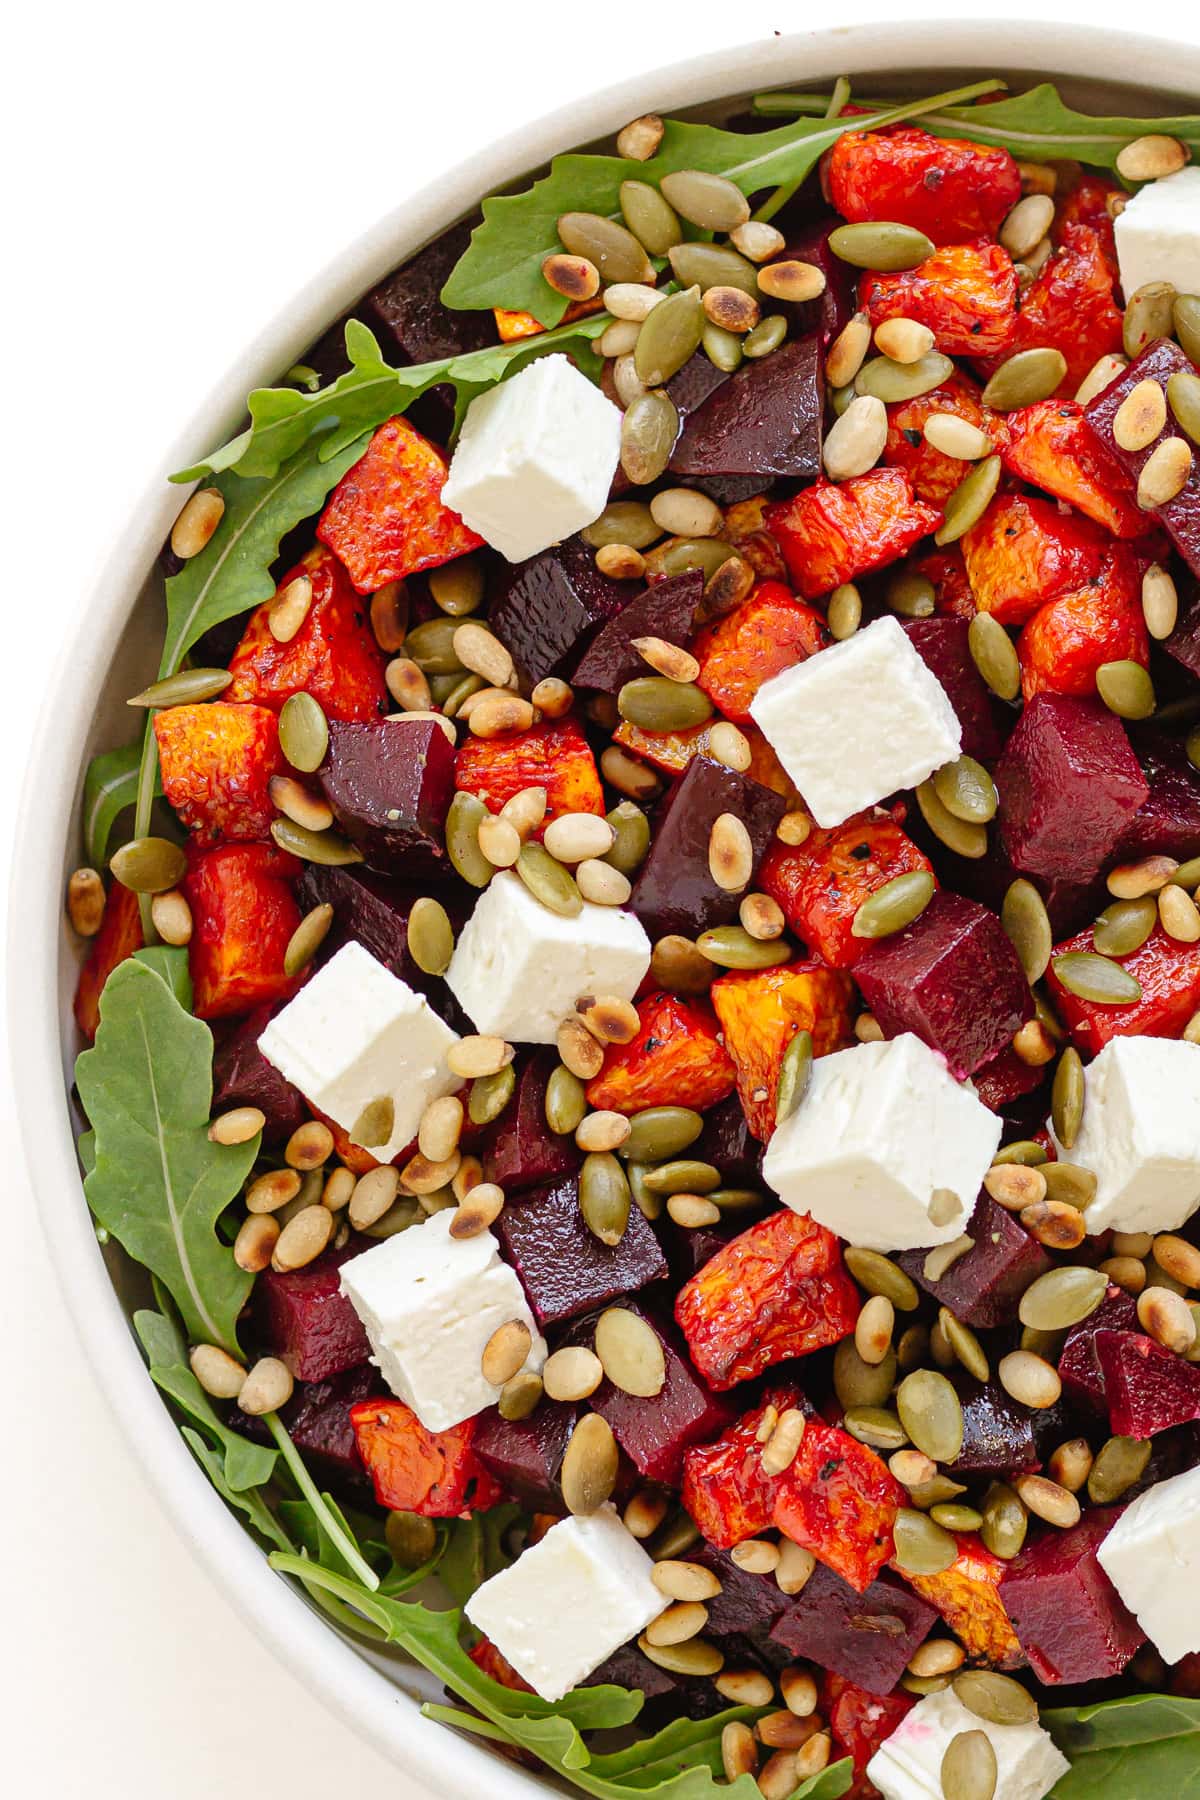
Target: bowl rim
pixel 40 946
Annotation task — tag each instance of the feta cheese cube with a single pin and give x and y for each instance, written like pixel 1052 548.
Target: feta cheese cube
pixel 1152 1558
pixel 858 721
pixel 429 1303
pixel 1158 234
pixel 568 1602
pixel 357 1033
pixel 518 968
pixel 886 1149
pixel 1141 1134
pixel 535 458
pixel 908 1765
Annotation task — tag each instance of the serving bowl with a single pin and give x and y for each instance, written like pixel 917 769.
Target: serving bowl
pixel 378 1695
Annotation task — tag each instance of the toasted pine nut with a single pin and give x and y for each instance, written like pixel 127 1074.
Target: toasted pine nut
pixel 799 1691
pixel 1130 881
pixel 645 1511
pixel 237 1126
pixel 937 1656
pixel 579 1050
pixel 912 1468
pixel 218 1373
pixel 374 1194
pixel 779 1452
pixel 794 828
pixel 407 685
pixel 667 659
pixel 309 1146
pixel 1126 1272
pixel 1033 1044
pixel 573 276
pixel 1071 1464
pixel 1026 225
pixel 389 616
pixel 609 1019
pixel 1141 416
pixel 267 1193
pixel 500 842
pixel 1160 601
pixel 289 609
pixel 1178 915
pixel 1149 158
pixel 685 512
pixel 482 1206
pixel 677 1623
pixel 473 1056
pixel 481 651
pixel 1014 1186
pixel 957 437
pixel 440 1128
pixel 757 1556
pixel 200 516
pixel 743 1687
pixel 639 140
pixel 494 712
pixel 600 883
pixel 847 353
pixel 762 917
pixel 266 1388
pixel 779 1776
pixel 1030 1379
pixel 552 698
pixel 505 1351
pixel 693 1211
pixel 757 240
pixel 256 1239
pixel 791 280
pixel 85 902
pixel 795 1566
pixel 338 1190
pixel 574 837
pixel 1165 473
pixel 904 340
pixel 1177 1258
pixel 730 853
pixel 685 1580
pixel 302 1239
pixel 620 562
pixel 739 1750
pixel 873 1329
pixel 1048 1500
pixel 1105 370
pixel 172 917
pixel 1167 1317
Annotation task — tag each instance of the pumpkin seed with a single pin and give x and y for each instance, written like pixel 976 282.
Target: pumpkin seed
pixel 678 555
pixel 410 1538
pixel 1119 1464
pixel 431 646
pixel 710 201
pixel 722 348
pixel 648 433
pixel 912 596
pixel 520 1395
pixel 931 1413
pixel 303 732
pixel 631 837
pixel 844 614
pixel 969 1770
pixel 1023 1151
pixel 879 1275
pixel 649 217
pixel 1149 314
pixel 880 245
pixel 649 1205
pixel 184 689
pixel 374 1124
pixel 323 847
pixel 655 703
pixel 875 1426
pixel 490 1094
pixel 1062 1297
pixel 1026 378
pixel 922 1547
pixel 1070 1185
pixel 466 814
pixel 859 1383
pixel 683 1176
pixel 430 936
pixel 623 522
pixel 893 382
pixel 1025 919
pixel 565 1103
pixel 1096 978
pixel 604 1197
pixel 1186 319
pixel 658 1132
pixel 970 500
pixel 1126 689
pixel 965 1345
pixel 707 266
pixel 894 906
pixel 149 865
pixel 952 1516
pixel 735 1200
pixel 615 251
pixel 956 834
pixel 794 1073
pixel 1005 1522
pixel 1124 926
pixel 1183 397
pixel 669 336
pixel 996 1698
pixel 967 790
pixel 1067 1094
pixel 732 947
pixel 589 1467
pixel 549 882
pixel 630 1353
pixel 695 1657
pixel 767 336
pixel 995 656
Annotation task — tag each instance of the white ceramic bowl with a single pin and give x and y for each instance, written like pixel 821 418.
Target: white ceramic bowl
pixel 378 1696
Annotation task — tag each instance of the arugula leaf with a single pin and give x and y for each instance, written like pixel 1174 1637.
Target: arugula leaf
pixel 311 1532
pixel 1037 125
pixel 248 1500
pixel 109 786
pixel 502 265
pixel 1142 1744
pixel 244 1464
pixel 159 1184
pixel 474 1551
pixel 171 963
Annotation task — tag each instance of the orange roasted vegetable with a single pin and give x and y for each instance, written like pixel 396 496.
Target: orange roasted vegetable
pixel 1168 972
pixel 831 533
pixel 672 751
pixel 724 1487
pixel 119 936
pixel 1069 639
pixel 822 882
pixel 243 916
pixel 1052 446
pixel 840 1500
pixel 767 633
pixel 554 755
pixel 333 656
pixel 433 1473
pixel 217 761
pixel 1069 306
pixel 965 293
pixel 675 1059
pixel 762 1010
pixel 1025 551
pixel 511 326
pixel 967 1595
pixel 949 189
pixel 385 518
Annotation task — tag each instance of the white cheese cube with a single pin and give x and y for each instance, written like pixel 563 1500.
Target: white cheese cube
pixel 429 1303
pixel 568 1602
pixel 1141 1134
pixel 886 1148
pixel 908 1765
pixel 518 968
pixel 1152 1558
pixel 1158 234
pixel 356 1033
pixel 535 458
pixel 858 721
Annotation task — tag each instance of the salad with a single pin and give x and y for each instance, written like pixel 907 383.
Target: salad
pixel 643 1005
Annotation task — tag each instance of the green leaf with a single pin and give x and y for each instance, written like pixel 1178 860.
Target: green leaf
pixel 171 963
pixel 109 786
pixel 310 1529
pixel 474 1551
pixel 502 265
pixel 244 1464
pixel 247 1500
pixel 1144 1744
pixel 159 1185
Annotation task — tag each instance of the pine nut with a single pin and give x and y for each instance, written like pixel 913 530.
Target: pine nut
pixel 912 1468
pixel 525 811
pixel 440 1128
pixel 792 280
pixel 628 384
pixel 619 339
pixel 762 917
pixel 794 828
pixel 629 776
pixel 631 300
pixel 302 1239
pixel 1141 416
pixel 1014 1186
pixel 785 1730
pixel 693 1211
pixel 867 1029
pixel 1033 1044
pixel 493 713
pixel 602 1131
pixel 1160 602
pixel 310 1145
pixel 796 1564
pixel 639 140
pixel 645 1511
pixel 472 1057
pixel 904 340
pixel 1125 1272
pixel 237 1126
pixel 731 309
pixel 579 1050
pixel 1133 1243
pixel 421 1175
pixel 1071 1464
pixel 407 685
pixel 1178 915
pixel 1168 1318
pixel 728 745
pixel 937 1656
pixel 1048 1500
pixel 1130 881
pixel 481 651
pixel 756 1556
pixel 339 1189
pixel 573 276
pixel 814 1757
pixel 1098 377
pixel 743 1687
pixel 267 1193
pixel 780 1776
pixel 610 1020
pixel 574 837
pixel 686 513
pixel 266 1388
pixel 1038 178
pixel 374 1194
pixel 685 1580
pixel 1030 1379
pixel 677 1623
pixel 1165 473
pixel 779 1452
pixel 467 1177
pixel 847 353
pixel 505 1352
pixel 730 853
pixel 289 609
pixel 293 800
pixel 256 1239
pixel 620 562
pixel 500 842
pixel 85 902
pixel 667 659
pixel 873 1329
pixel 218 1373
pixel 1178 1259
pixel 600 883
pixel 481 1208
pixel 957 437
pixel 1026 225
pixel 1055 1223
pixel 1149 158
pixel 200 516
pixel 799 1692
pixel 739 1750
pixel 855 442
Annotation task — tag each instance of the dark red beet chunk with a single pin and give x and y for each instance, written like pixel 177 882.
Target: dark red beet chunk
pixel 390 784
pixel 552 604
pixel 525 1455
pixel 1148 1389
pixel 628 1668
pixel 1169 823
pixel 305 1319
pixel 941 643
pixel 689 1250
pixel 1006 1080
pixel 1069 786
pixel 666 609
pixel 997 1433
pixel 747 1603
pixel 1078 1363
pixel 764 421
pixel 869 1637
pixel 729 1144
pixel 1158 362
pixel 318 1419
pixel 1068 1615
pixel 696 381
pixel 242 1076
pixel 520 1150
pixel 1184 641
pixel 566 1271
pixel 367 910
pixel 985 1285
pixel 833 309
pixel 674 890
pixel 654 1433
pixel 953 978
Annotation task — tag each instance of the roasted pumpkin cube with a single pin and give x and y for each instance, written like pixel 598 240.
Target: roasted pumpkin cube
pixel 672 751
pixel 832 533
pixel 840 1500
pixel 1069 306
pixel 859 1722
pixel 932 474
pixel 385 518
pixel 433 1473
pixel 554 755
pixel 947 188
pixel 767 633
pixel 1169 974
pixel 217 762
pixel 1086 204
pixel 333 656
pixel 243 914
pixel 1052 446
pixel 1025 551
pixel 725 1489
pixel 120 934
pixel 967 1595
pixel 822 882
pixel 1070 638
pixel 965 293
pixel 779 1289
pixel 676 1058
pixel 512 326
pixel 762 1010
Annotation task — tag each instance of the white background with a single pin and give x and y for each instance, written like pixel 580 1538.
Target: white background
pixel 172 174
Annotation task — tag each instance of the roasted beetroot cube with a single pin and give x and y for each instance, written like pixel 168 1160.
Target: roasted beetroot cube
pixel 521 1151
pixel 840 1500
pixel 407 311
pixel 390 784
pixel 629 1668
pixel 552 604
pixel 666 609
pixel 1006 1080
pixel 675 890
pixel 317 1418
pixel 368 909
pixel 688 1251
pixel 1068 1615
pixel 566 1271
pixel 953 978
pixel 1069 786
pixel 729 1144
pixel 985 1285
pixel 1148 1389
pixel 747 1603
pixel 655 1433
pixel 834 307
pixel 1169 823
pixel 525 1455
pixel 941 643
pixel 242 1076
pixel 868 1637
pixel 725 1488
pixel 997 1432
pixel 1078 1363
pixel 306 1320
pixel 765 421
pixel 1184 641
pixel 1158 362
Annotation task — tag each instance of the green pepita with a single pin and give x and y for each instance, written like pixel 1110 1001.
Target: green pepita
pixel 956 834
pixel 911 596
pixel 967 790
pixel 1119 1464
pixel 678 555
pixel 881 245
pixel 710 201
pixel 303 732
pixel 1186 319
pixel 1126 689
pixel 895 905
pixel 859 1383
pixel 431 646
pixel 1096 978
pixel 324 847
pixel 659 1132
pixel 939 1491
pixel 410 1538
pixel 722 348
pixel 1023 1151
pixel 631 1353
pixel 1062 1297
pixel 844 614
pixel 604 1197
pixel 589 1466
pixel 1067 1097
pixel 931 1413
pixel 655 703
pixel 736 1200
pixel 623 522
pixel 712 265
pixel 184 689
pixel 1183 397
pixel 548 881
pixel 374 1124
pixel 1124 926
pixel 1149 314
pixel 994 655
pixel 1027 923
pixel 490 1094
pixel 969 1770
pixel 875 1426
pixel 951 1515
pixel 648 433
pixel 1026 378
pixel 1005 1522
pixel 615 251
pixel 669 335
pixel 565 1103
pixel 519 1397
pixel 631 837
pixel 893 382
pixel 969 501
pixel 965 1345
pixel 1187 875
pixel 430 936
pixel 683 1176
pixel 767 336
pixel 732 947
pixel 1068 1183
pixel 922 1548
pixel 149 865
pixel 794 1073
pixel 879 1275
pixel 467 813
pixel 649 216
pixel 650 1206
pixel 996 1698
pixel 307 938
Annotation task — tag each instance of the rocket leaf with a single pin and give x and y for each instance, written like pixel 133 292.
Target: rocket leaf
pixel 109 786
pixel 244 1464
pixel 1142 1744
